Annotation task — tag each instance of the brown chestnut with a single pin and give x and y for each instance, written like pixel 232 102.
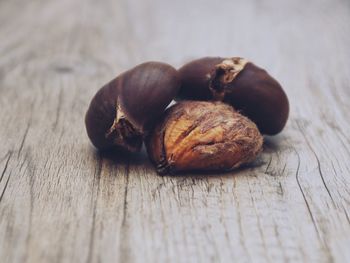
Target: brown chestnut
pixel 202 136
pixel 240 83
pixel 123 110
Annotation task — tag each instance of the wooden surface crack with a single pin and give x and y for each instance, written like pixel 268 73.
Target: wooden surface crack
pixel 23 140
pixel 318 163
pixel 322 241
pixel 3 173
pixel 124 249
pixel 8 155
pixel 304 197
pixel 94 199
pixel 5 187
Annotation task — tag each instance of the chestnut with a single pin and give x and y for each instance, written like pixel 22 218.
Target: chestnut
pixel 240 83
pixel 202 136
pixel 123 110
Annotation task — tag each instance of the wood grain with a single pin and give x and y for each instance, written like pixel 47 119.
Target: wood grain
pixel 60 201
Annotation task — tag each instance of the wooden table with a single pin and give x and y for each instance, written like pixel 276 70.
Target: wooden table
pixel 61 201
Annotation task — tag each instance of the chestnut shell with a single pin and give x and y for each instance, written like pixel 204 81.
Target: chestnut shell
pixel 202 136
pixel 123 110
pixel 252 91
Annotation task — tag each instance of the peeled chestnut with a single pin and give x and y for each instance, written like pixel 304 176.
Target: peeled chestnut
pixel 123 110
pixel 202 136
pixel 240 83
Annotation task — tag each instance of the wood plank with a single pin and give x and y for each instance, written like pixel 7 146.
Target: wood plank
pixel 61 201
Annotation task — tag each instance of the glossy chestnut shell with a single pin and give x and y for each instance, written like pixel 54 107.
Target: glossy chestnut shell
pixel 122 111
pixel 240 83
